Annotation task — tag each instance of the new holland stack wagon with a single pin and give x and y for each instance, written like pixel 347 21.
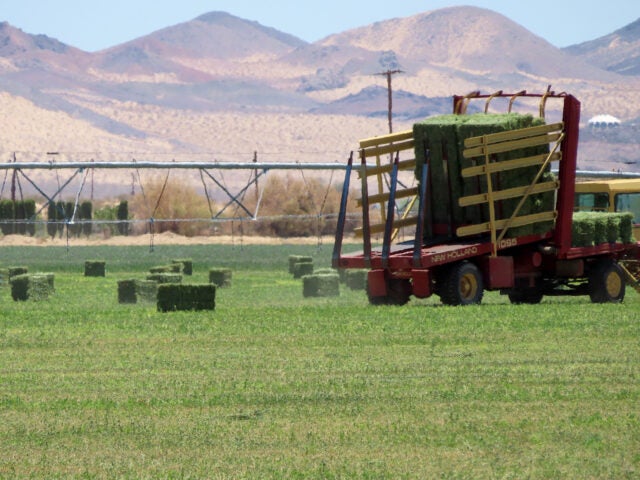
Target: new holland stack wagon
pixel 486 211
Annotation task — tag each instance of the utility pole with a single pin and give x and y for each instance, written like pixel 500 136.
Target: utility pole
pixel 389 74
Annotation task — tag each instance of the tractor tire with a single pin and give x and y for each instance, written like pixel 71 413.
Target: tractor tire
pixel 607 282
pixel 529 296
pixel 398 293
pixel 462 285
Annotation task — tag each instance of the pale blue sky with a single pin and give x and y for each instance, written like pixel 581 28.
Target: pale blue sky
pixel 96 24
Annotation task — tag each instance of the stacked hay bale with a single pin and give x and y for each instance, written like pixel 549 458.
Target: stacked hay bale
pixel 165 277
pixel 595 228
pixel 220 277
pixel 186 265
pixel 35 287
pixel 172 297
pixel 300 265
pixel 443 137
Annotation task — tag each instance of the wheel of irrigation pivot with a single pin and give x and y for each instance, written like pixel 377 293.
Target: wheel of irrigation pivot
pixel 526 295
pixel 462 285
pixel 398 293
pixel 606 282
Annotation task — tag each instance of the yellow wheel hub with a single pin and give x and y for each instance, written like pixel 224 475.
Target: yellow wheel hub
pixel 613 284
pixel 468 286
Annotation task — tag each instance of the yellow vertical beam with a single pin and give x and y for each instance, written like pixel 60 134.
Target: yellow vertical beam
pixel 492 209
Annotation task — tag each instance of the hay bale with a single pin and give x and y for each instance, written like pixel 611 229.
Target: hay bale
pixel 186 265
pixel 35 287
pixel 173 268
pixel 172 297
pixel 220 277
pixel 302 268
pixel 127 291
pixel 164 278
pixel 15 271
pixel 293 259
pixel 324 285
pixel 146 290
pixel 94 268
pixel 594 228
pixel 443 137
pixel 356 279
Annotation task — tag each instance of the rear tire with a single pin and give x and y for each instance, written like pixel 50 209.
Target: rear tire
pixel 462 285
pixel 398 293
pixel 607 282
pixel 530 296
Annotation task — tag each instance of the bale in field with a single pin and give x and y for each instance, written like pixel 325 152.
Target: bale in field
pixel 173 268
pixel 172 297
pixel 221 277
pixel 293 259
pixel 127 291
pixel 302 268
pixel 323 285
pixel 14 271
pixel 94 268
pixel 356 279
pixel 186 265
pixel 163 278
pixel 35 287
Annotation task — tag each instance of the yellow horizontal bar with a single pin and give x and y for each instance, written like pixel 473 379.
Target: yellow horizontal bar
pixel 509 165
pixel 501 224
pixel 388 148
pixel 511 145
pixel 508 193
pixel 403 165
pixel 379 227
pixel 384 197
pixel 512 135
pixel 392 137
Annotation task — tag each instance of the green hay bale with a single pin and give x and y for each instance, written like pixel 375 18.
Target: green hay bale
pixel 325 285
pixel 186 265
pixel 582 230
pixel 35 287
pixel 356 279
pixel 146 290
pixel 173 298
pixel 94 268
pixel 293 259
pixel 173 268
pixel 221 277
pixel 443 136
pixel 302 268
pixel 626 227
pixel 127 291
pixel 613 228
pixel 15 271
pixel 164 278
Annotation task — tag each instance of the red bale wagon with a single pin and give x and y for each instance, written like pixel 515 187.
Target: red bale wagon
pixel 486 213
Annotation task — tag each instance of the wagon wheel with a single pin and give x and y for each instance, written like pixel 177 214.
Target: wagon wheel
pixel 606 282
pixel 398 293
pixel 462 285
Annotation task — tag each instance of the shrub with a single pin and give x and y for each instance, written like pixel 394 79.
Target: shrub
pixel 122 214
pixel 7 216
pixel 94 268
pixel 86 214
pixel 186 297
pixel 324 285
pixel 220 277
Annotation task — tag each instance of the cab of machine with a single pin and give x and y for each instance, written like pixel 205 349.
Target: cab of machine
pixel 621 195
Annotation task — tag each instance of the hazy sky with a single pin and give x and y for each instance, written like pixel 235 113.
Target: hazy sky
pixel 96 24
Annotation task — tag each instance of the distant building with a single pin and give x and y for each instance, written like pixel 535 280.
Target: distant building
pixel 604 121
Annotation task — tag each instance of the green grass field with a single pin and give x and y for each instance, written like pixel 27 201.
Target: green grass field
pixel 274 385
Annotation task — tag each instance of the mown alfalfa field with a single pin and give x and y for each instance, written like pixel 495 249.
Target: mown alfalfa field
pixel 274 385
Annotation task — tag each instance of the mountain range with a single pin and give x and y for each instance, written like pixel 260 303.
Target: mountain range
pixel 218 64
